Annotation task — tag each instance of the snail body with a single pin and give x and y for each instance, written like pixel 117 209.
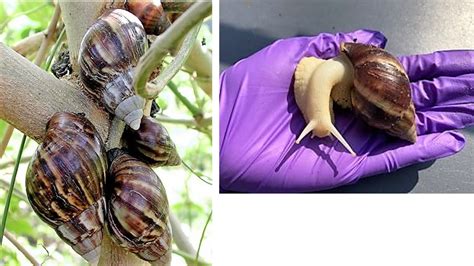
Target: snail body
pixel 363 78
pixel 138 214
pixel 109 50
pixel 64 182
pixel 152 144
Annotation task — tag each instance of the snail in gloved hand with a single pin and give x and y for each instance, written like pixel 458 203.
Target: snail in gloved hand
pixel 362 77
pixel 64 182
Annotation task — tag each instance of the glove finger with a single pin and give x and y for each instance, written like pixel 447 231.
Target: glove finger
pixel 442 63
pixel 386 158
pixel 443 91
pixel 442 118
pixel 444 103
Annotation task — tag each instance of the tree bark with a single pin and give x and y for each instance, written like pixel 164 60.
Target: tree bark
pixel 78 16
pixel 29 96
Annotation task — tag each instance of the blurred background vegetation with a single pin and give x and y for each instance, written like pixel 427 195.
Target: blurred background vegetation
pixel 190 198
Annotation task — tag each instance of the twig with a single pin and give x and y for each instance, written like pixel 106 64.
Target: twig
pixel 147 108
pixel 186 256
pixel 181 240
pixel 6 139
pixel 196 112
pixel 49 37
pixel 55 49
pixel 170 71
pixel 206 121
pixel 200 176
pixel 10 190
pixel 172 6
pixel 11 162
pixel 16 191
pixel 23 250
pixel 166 41
pixel 29 44
pixel 202 237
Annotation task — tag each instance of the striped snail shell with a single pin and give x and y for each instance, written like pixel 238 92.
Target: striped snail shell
pixel 381 94
pixel 64 182
pixel 151 14
pixel 152 144
pixel 109 50
pixel 138 215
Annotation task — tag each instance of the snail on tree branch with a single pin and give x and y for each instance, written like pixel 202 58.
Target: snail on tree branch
pixel 109 50
pixel 138 214
pixel 65 179
pixel 364 78
pixel 152 144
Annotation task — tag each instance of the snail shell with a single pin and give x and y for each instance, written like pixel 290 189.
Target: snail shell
pixel 381 94
pixel 152 144
pixel 138 215
pixel 64 182
pixel 109 50
pixel 151 14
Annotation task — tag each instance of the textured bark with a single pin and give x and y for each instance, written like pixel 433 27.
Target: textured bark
pixel 29 96
pixel 78 16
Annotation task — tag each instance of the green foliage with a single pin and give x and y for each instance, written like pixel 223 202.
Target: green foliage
pixel 20 19
pixel 189 197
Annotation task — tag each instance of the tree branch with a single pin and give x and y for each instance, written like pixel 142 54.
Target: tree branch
pixel 78 16
pixel 6 139
pixel 30 44
pixel 173 6
pixel 180 238
pixel 204 122
pixel 43 50
pixel 29 96
pixel 23 250
pixel 200 61
pixel 165 42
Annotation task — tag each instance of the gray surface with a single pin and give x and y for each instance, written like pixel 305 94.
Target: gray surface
pixel 412 27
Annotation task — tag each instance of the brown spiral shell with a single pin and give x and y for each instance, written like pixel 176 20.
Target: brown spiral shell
pixel 381 93
pixel 110 49
pixel 64 182
pixel 138 214
pixel 151 14
pixel 152 144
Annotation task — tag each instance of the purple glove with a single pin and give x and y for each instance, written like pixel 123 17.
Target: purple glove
pixel 259 119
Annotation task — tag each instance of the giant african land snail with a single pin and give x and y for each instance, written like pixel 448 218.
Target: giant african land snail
pixel 138 214
pixel 65 180
pixel 109 50
pixel 362 77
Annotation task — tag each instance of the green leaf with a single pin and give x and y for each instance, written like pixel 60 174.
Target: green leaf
pixel 3 127
pixel 39 11
pixel 20 227
pixel 162 103
pixel 8 257
pixel 3 13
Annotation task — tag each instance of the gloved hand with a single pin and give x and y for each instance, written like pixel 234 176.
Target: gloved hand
pixel 259 119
